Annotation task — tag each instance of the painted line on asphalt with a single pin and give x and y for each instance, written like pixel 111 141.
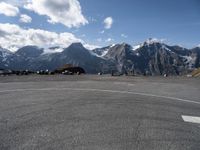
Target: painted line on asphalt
pixel 191 119
pixel 102 90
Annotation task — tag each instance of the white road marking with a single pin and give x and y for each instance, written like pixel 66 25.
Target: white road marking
pixel 191 119
pixel 102 90
pixel 124 83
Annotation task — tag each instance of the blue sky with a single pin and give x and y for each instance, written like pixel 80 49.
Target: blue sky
pixel 177 21
pixel 133 21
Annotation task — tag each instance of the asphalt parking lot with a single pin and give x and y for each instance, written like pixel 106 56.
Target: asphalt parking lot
pixel 99 113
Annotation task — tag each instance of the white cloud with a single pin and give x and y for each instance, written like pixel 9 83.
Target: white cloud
pixel 8 9
pixel 155 40
pixel 109 40
pixel 108 22
pixel 25 18
pixel 124 36
pixel 66 12
pixel 91 47
pixel 13 37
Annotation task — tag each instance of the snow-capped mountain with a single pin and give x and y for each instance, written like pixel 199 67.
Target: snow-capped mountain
pixel 151 57
pixel 101 52
pixel 34 58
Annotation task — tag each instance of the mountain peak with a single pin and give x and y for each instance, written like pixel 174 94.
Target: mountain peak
pixel 28 48
pixel 125 44
pixel 76 45
pixel 76 49
pixel 30 51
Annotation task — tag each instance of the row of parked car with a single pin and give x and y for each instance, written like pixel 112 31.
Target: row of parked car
pixel 12 72
pixel 67 69
pixel 4 72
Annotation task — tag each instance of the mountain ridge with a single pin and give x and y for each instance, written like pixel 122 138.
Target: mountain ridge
pixel 151 58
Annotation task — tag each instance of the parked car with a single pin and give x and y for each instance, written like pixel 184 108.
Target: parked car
pixel 67 73
pixel 5 72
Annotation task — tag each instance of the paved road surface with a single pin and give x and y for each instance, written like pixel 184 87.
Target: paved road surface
pixel 99 113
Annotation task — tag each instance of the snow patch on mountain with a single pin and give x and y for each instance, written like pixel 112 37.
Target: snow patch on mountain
pixel 4 53
pixel 105 52
pixel 190 61
pixel 113 45
pixel 137 54
pixel 166 48
pixel 148 42
pixel 107 49
pixel 137 47
pixel 101 52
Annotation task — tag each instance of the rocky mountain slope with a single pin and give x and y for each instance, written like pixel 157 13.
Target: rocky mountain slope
pixel 152 58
